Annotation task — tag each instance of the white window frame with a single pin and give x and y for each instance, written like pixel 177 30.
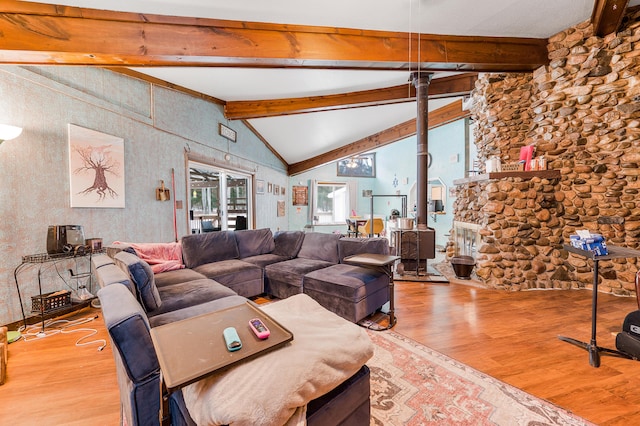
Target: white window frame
pixel 338 213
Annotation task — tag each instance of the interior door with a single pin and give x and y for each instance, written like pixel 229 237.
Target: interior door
pixel 237 201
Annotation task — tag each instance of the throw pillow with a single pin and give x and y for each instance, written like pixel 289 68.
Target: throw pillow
pixel 142 276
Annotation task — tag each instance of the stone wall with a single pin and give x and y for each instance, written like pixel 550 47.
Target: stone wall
pixel 582 113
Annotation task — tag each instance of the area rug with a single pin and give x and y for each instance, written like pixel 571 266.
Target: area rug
pixel 414 385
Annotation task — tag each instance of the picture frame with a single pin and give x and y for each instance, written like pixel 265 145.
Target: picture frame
pixel 361 165
pixel 281 208
pixel 300 196
pixel 282 192
pixel 276 190
pixel 96 169
pixel 259 186
pixel 269 188
pixel 227 132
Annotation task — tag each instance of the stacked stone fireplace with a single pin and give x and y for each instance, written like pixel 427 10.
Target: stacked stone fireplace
pixel 582 113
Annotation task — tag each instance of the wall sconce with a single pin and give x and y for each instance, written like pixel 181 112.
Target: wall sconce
pixel 8 132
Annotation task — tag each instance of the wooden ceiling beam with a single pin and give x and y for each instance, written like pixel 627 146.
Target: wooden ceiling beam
pixel 35 33
pixel 438 117
pixel 607 16
pixel 455 85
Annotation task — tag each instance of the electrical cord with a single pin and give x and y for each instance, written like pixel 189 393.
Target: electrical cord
pixel 30 333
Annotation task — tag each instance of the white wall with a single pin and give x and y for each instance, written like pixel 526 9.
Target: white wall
pixel 158 126
pixel 396 171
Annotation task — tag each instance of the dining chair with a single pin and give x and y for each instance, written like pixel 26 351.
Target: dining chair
pixel 366 229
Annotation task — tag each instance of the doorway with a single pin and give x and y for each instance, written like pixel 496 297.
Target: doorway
pixel 219 199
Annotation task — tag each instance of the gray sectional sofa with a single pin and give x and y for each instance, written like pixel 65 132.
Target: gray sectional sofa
pixel 254 262
pixel 223 269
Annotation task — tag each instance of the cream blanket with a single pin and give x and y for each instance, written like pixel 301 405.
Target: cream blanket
pixel 274 388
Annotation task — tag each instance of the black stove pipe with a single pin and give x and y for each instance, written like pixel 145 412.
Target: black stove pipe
pixel 421 81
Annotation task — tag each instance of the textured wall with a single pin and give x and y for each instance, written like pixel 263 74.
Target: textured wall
pixel 582 112
pixel 158 126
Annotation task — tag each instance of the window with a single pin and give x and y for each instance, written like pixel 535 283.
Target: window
pixel 331 203
pixel 219 198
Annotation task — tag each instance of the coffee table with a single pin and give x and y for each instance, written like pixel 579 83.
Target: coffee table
pixel 191 349
pixel 383 263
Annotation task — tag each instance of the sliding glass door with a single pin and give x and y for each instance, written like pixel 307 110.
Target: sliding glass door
pixel 220 199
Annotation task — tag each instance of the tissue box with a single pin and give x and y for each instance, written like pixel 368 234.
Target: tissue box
pixel 594 243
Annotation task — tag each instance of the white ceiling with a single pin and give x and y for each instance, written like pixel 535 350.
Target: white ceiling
pixel 300 137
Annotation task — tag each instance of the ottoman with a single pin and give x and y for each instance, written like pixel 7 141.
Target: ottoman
pixel 353 292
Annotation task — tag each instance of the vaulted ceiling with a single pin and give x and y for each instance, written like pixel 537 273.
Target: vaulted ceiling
pixel 317 80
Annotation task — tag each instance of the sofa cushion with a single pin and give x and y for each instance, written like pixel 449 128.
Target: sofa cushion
pixel 198 249
pixel 200 309
pixel 142 276
pixel 99 260
pixel 345 281
pixel 111 274
pixel 287 243
pixel 319 246
pixel 263 260
pixel 350 246
pixel 325 352
pixel 191 293
pixel 351 291
pixel 252 242
pixel 177 276
pixel 292 271
pixel 230 272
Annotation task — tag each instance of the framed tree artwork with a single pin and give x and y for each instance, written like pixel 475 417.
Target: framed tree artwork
pixel 96 168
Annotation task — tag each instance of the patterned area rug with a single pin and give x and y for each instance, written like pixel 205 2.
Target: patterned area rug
pixel 414 385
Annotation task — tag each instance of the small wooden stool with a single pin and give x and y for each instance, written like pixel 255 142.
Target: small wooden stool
pixel 4 354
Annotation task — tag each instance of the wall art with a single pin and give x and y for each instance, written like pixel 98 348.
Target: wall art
pixel 300 195
pixel 363 165
pixel 96 169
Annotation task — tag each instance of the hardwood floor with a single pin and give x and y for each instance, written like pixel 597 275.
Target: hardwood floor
pixel 511 336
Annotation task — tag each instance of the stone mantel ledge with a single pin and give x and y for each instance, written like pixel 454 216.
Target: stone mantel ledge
pixel 545 174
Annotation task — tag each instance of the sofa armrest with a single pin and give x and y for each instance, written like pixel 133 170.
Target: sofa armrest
pixel 352 246
pixel 137 365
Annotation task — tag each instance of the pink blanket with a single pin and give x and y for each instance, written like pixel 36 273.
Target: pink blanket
pixel 160 256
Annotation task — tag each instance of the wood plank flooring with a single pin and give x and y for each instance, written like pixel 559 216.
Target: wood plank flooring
pixel 509 335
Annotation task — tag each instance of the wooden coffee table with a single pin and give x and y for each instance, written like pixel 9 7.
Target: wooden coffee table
pixel 191 349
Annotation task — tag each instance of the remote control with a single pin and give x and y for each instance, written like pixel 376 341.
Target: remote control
pixel 232 339
pixel 259 329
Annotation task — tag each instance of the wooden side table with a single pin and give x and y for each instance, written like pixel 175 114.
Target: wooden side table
pixel 592 347
pixel 383 263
